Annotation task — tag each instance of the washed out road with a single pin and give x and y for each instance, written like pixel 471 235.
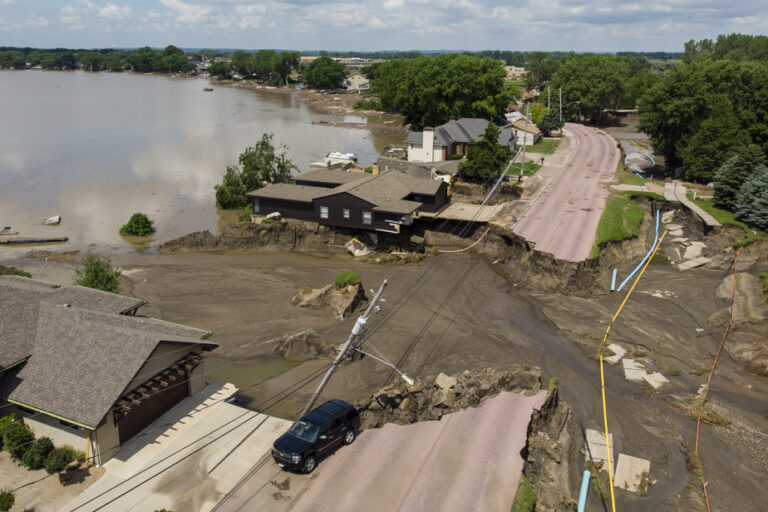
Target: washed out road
pixel 563 218
pixel 468 461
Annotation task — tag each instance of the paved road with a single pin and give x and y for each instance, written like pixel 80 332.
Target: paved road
pixel 467 461
pixel 563 219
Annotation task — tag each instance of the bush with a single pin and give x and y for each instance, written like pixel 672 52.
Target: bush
pixel 4 422
pixel 455 156
pixel 37 453
pixel 13 271
pixel 17 439
pixel 347 278
pixel 74 453
pixel 245 215
pixel 97 273
pixel 139 225
pixel 367 105
pixel 58 460
pixel 6 500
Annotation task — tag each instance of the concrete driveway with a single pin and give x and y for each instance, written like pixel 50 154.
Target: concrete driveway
pixel 563 217
pixel 468 461
pixel 187 460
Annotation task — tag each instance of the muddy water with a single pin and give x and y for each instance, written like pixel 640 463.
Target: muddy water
pixel 97 147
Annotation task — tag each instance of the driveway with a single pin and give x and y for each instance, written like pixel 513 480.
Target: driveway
pixel 187 460
pixel 564 215
pixel 468 461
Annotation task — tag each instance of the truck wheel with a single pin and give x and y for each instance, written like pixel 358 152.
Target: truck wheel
pixel 349 436
pixel 309 464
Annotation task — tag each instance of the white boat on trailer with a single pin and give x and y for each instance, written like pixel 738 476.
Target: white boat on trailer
pixel 335 159
pixel 52 221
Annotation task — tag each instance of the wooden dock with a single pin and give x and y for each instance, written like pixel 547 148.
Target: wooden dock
pixel 33 241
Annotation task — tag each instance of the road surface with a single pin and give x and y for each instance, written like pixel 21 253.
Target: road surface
pixel 563 218
pixel 468 461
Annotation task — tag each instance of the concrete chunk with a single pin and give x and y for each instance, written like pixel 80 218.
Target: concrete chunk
pixel 668 217
pixel 673 227
pixel 656 380
pixel 632 474
pixel 633 371
pixel 694 250
pixel 618 353
pixel 596 446
pixel 676 232
pixel 697 262
pixel 443 381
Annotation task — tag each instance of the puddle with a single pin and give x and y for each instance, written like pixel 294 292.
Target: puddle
pixel 247 375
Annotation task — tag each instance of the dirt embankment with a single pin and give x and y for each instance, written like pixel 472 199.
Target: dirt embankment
pixel 474 192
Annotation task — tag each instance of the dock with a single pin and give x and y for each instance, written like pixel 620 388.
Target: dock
pixel 33 241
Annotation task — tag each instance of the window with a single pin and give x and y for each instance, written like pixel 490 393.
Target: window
pixel 346 213
pixel 256 205
pixel 366 217
pixel 323 212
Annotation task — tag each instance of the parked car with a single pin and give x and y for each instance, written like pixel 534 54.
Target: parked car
pixel 316 435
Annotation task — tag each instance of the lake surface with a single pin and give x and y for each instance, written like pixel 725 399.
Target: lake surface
pixel 97 147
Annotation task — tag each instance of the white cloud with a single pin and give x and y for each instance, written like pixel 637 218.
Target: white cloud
pixel 187 13
pixel 153 14
pixel 114 12
pixel 69 15
pixel 250 9
pixel 37 22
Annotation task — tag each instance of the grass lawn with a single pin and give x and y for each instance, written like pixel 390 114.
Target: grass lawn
pixel 631 193
pixel 530 169
pixel 546 146
pixel 525 499
pixel 726 217
pixel 628 178
pixel 621 220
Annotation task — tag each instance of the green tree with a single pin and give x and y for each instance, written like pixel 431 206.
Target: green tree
pixel 324 73
pixel 430 91
pixel 242 63
pixel 17 439
pixel 141 60
pixel 6 500
pixel 551 121
pixel 486 157
pixel 539 70
pixel 259 166
pixel 751 204
pixel 220 70
pixel 264 63
pixel 138 225
pixel 96 272
pixel 284 62
pixel 717 139
pixel 733 173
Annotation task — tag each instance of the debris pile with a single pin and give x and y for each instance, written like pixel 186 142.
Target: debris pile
pixel 342 302
pixel 430 399
pixel 303 345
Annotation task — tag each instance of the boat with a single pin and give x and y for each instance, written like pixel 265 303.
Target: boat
pixel 33 241
pixel 52 221
pixel 208 89
pixel 335 159
pixel 8 230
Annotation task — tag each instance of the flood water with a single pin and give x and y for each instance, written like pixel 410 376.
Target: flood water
pixel 97 147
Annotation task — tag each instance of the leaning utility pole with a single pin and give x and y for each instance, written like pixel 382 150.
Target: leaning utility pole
pixel 561 104
pixel 357 330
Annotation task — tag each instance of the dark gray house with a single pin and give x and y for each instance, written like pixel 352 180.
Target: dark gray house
pixel 82 369
pixel 381 202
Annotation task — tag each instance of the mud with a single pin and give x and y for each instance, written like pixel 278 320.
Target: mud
pixel 340 302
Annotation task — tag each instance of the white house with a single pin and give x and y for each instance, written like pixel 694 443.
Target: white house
pixel 526 133
pixel 453 137
pixel 353 82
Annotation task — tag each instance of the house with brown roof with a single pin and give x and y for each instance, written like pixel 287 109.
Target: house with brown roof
pixel 381 202
pixel 83 369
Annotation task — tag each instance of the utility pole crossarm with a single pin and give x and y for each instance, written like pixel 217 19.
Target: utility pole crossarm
pixel 357 330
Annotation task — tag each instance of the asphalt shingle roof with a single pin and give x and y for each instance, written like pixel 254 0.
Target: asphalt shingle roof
pixel 327 176
pixel 290 192
pixel 465 130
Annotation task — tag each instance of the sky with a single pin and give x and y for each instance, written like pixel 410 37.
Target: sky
pixel 569 25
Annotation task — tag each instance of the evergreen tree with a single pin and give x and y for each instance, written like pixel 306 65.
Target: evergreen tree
pixel 486 157
pixel 733 173
pixel 551 121
pixel 751 205
pixel 97 273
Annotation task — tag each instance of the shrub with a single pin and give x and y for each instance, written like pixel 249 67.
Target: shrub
pixel 245 215
pixel 347 278
pixel 58 460
pixel 17 439
pixel 13 271
pixel 6 500
pixel 138 225
pixel 367 104
pixel 455 156
pixel 4 422
pixel 37 453
pixel 97 273
pixel 74 453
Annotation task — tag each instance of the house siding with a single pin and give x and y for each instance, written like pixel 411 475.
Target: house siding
pixel 336 204
pixel 290 209
pixel 432 203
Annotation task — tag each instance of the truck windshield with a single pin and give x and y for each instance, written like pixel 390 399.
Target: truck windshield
pixel 304 430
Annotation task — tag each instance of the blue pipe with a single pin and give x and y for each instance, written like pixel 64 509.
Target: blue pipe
pixel 650 251
pixel 613 280
pixel 584 490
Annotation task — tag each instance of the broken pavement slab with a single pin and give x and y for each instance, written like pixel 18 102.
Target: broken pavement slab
pixel 618 353
pixel 694 250
pixel 656 380
pixel 673 227
pixel 632 474
pixel 696 262
pixel 668 217
pixel 596 449
pixel 633 371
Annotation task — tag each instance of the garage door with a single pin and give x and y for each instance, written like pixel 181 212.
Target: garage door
pixel 152 408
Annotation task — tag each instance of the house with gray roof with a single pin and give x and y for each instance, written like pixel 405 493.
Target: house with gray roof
pixel 382 202
pixel 451 138
pixel 83 369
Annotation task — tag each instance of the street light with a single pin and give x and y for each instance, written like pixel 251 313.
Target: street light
pixel 404 376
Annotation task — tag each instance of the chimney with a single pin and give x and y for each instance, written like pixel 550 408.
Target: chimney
pixel 375 169
pixel 428 143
